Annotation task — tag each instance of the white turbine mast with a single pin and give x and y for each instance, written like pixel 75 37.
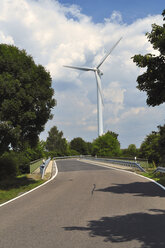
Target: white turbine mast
pixel 98 74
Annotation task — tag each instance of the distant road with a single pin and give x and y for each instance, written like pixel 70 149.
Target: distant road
pixel 87 206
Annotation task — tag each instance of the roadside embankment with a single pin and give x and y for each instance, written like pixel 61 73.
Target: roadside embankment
pixel 15 187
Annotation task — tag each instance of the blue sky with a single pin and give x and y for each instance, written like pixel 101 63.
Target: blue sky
pixel 130 9
pixel 67 32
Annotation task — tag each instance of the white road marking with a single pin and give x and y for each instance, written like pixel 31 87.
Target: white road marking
pixel 111 167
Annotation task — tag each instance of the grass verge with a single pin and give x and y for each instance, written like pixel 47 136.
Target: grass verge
pixel 12 188
pixel 158 177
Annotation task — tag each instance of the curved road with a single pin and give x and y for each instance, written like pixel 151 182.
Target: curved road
pixel 87 206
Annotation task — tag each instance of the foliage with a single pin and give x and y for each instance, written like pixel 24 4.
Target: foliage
pixel 89 145
pixel 37 152
pixel 153 80
pixel 25 99
pixel 8 166
pixel 161 144
pixel 14 163
pixel 72 152
pixel 150 148
pixel 55 142
pixel 158 177
pixel 79 145
pixel 21 160
pixel 131 151
pixel 107 145
pixel 8 133
pixel 153 147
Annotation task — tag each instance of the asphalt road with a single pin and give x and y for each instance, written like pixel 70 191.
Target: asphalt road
pixel 86 206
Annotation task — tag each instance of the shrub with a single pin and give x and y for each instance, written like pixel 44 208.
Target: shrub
pixel 13 163
pixel 23 163
pixel 8 166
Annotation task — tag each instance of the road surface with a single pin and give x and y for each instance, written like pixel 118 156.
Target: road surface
pixel 87 206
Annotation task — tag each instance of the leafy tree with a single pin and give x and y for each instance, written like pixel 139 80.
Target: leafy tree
pixel 150 148
pixel 37 152
pixel 26 99
pixel 41 149
pixel 8 135
pixel 107 145
pixel 56 143
pixel 153 80
pixel 13 164
pixel 71 152
pixel 161 144
pixel 131 151
pixel 79 145
pixel 8 167
pixel 89 145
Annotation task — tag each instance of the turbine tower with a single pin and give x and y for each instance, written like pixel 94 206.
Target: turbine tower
pixel 98 75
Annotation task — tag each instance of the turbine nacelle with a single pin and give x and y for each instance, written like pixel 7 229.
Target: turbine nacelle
pixel 100 73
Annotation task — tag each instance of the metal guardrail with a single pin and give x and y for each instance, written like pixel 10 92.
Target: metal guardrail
pixel 113 161
pixel 159 169
pixel 76 156
pixel 65 157
pixel 43 167
pixel 120 162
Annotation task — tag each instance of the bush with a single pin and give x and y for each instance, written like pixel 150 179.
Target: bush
pixel 72 152
pixel 13 164
pixel 8 166
pixel 23 163
pixel 107 145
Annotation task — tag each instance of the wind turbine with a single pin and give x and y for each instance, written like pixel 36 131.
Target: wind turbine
pixel 98 74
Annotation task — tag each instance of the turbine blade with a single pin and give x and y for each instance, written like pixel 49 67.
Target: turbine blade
pixel 80 68
pixel 102 61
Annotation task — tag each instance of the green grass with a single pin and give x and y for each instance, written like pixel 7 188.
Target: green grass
pixel 158 177
pixel 14 187
pixel 35 165
pixel 150 167
pixel 146 165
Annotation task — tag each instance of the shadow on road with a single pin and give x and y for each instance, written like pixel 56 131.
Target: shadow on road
pixel 146 228
pixel 136 188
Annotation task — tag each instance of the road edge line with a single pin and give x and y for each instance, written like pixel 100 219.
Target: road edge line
pixel 17 197
pixel 106 166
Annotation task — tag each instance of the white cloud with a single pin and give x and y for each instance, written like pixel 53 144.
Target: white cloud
pixel 57 35
pixel 116 17
pixel 6 39
pixel 113 93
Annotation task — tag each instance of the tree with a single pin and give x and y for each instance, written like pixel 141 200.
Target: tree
pixel 89 145
pixel 153 80
pixel 37 152
pixel 131 151
pixel 107 145
pixel 150 148
pixel 56 143
pixel 161 144
pixel 26 99
pixel 79 145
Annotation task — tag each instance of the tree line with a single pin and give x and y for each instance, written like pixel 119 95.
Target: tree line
pixel 27 98
pixel 107 145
